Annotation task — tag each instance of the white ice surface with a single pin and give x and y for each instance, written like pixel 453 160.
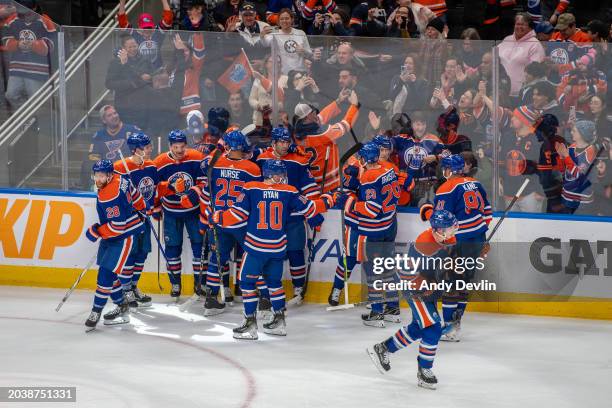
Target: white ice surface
pixel 165 358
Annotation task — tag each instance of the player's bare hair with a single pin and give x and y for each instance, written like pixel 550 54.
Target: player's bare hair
pixel 104 109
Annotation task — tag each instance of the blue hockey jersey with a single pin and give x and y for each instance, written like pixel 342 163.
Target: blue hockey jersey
pixel 116 206
pixel 143 176
pixel 32 63
pixel 266 209
pixel 576 184
pixel 379 192
pixel 411 154
pixel 169 171
pixel 105 144
pixel 466 198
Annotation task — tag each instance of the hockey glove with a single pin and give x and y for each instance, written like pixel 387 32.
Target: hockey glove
pixel 156 213
pixel 178 186
pixel 190 199
pixel 352 171
pixel 293 148
pixel 425 211
pixel 316 222
pixel 92 233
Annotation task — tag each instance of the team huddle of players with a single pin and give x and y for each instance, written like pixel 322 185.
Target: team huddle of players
pixel 230 196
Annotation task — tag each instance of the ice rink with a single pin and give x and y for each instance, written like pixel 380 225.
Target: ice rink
pixel 165 358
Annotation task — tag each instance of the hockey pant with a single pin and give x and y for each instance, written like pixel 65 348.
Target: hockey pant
pixel 425 326
pixel 296 242
pixel 228 239
pixel 112 256
pixel 253 267
pixel 135 263
pixel 380 247
pixel 173 237
pixel 454 304
pixel 352 239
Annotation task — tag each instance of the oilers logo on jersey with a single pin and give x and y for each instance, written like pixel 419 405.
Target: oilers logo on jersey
pixel 560 56
pixel 516 163
pixel 146 186
pixel 27 35
pixel 414 157
pixel 185 176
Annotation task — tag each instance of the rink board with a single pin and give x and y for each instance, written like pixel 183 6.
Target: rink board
pixel 42 243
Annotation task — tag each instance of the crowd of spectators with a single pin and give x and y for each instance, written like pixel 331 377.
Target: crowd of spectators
pixel 409 68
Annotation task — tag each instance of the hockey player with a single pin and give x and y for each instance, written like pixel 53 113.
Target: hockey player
pixel 229 174
pixel 143 174
pixel 375 210
pixel 435 242
pixel 467 200
pixel 117 205
pixel 266 207
pixel 314 134
pixel 352 172
pixel 298 176
pixel 178 171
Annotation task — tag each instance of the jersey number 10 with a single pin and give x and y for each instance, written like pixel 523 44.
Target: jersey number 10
pixel 270 215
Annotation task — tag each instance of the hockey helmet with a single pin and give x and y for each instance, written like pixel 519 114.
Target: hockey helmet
pixel 370 152
pixel 138 141
pixel 236 140
pixel 454 162
pixel 272 168
pixel 103 166
pixel 281 133
pixel 177 136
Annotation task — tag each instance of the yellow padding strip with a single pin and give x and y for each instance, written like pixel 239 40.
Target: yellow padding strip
pixel 511 303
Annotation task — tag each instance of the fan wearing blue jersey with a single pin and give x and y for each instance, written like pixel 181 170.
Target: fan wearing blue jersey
pixel 228 176
pixel 298 176
pixel 467 200
pixel 117 205
pixel 178 171
pixel 266 207
pixel 143 173
pixel 435 243
pixel 207 136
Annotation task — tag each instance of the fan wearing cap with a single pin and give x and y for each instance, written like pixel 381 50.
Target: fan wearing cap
pixel 254 32
pixel 519 158
pixel 568 44
pixel 544 31
pixel 149 36
pixel 316 136
pixel 577 161
pixel 206 136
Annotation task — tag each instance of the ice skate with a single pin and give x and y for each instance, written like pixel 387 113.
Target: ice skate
pixel 380 357
pixel 264 310
pixel 334 297
pixel 373 319
pixel 142 299
pixel 426 378
pixel 229 298
pixel 451 332
pixel 247 329
pixel 119 315
pixel 92 321
pixel 297 299
pixel 392 314
pixel 212 306
pixel 175 292
pixel 130 298
pixel 277 326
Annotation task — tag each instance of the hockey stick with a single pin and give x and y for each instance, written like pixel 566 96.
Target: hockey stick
pixel 364 303
pixel 314 234
pixel 74 285
pixel 161 289
pixel 143 214
pixel 508 208
pixel 343 160
pixel 195 296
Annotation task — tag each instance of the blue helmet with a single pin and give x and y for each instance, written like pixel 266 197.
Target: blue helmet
pixel 236 140
pixel 274 168
pixel 218 117
pixel 103 166
pixel 177 136
pixel 454 162
pixel 442 219
pixel 382 141
pixel 370 152
pixel 280 133
pixel 138 141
